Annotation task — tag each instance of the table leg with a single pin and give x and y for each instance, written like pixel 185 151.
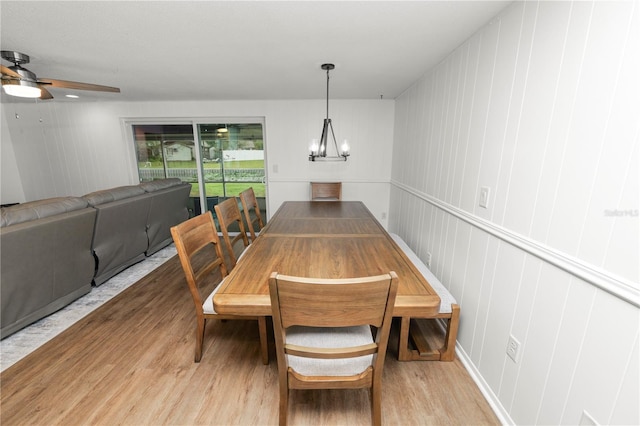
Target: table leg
pixel 403 341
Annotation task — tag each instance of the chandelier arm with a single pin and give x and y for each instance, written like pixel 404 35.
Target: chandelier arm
pixel 322 149
pixel 335 143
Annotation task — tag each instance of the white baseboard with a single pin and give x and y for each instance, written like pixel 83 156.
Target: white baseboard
pixel 488 394
pixel 486 391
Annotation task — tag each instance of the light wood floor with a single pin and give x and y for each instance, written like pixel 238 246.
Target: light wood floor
pixel 131 362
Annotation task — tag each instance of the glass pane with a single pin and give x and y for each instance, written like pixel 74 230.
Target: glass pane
pixel 167 150
pixel 211 154
pixel 233 157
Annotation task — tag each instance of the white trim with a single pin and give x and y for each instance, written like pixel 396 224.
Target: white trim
pixel 617 286
pixel 485 389
pixel 295 179
pixel 476 376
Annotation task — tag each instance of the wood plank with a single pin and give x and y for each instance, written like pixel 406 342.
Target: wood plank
pixel 325 226
pixel 131 362
pixel 421 343
pixel 245 291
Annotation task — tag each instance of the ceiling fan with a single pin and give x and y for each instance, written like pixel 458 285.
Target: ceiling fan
pixel 19 81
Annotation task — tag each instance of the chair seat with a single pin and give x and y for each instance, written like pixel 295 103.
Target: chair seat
pixel 319 337
pixel 207 306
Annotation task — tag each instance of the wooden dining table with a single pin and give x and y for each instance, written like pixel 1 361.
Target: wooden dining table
pixel 323 239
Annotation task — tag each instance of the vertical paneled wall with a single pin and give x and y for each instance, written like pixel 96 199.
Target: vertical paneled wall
pixel 542 106
pixel 11 187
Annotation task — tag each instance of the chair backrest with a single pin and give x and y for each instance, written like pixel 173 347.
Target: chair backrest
pixel 199 251
pixel 314 302
pixel 228 214
pixel 326 191
pixel 250 204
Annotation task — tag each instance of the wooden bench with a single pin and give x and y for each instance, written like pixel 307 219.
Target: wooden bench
pixel 413 329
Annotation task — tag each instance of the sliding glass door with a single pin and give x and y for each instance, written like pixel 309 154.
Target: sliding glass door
pixel 218 159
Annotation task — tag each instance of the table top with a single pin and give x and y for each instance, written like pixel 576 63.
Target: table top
pixel 327 239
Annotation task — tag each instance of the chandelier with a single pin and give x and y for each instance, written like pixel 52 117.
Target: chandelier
pixel 318 149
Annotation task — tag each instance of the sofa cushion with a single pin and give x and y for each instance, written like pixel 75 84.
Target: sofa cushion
pixel 40 209
pixel 157 185
pixel 114 194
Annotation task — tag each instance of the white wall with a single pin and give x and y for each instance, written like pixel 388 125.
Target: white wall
pixel 66 148
pixel 543 107
pixel 10 184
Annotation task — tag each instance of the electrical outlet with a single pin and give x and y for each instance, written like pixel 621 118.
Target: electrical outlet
pixel 427 259
pixel 513 347
pixel 484 196
pixel 384 215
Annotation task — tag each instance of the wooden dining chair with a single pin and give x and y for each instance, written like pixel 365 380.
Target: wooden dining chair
pixel 200 254
pixel 323 333
pixel 250 205
pixel 228 215
pixel 326 191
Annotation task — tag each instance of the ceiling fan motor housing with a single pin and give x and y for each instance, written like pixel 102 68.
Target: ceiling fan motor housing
pixel 25 74
pixel 19 58
pixel 16 57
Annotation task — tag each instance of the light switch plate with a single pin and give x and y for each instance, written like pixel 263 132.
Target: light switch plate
pixel 484 196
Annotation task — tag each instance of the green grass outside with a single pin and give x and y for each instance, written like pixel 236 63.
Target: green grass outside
pixel 233 189
pixel 249 164
pixel 215 189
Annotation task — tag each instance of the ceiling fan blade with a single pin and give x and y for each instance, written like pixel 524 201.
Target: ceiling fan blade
pixel 63 84
pixel 45 93
pixel 8 71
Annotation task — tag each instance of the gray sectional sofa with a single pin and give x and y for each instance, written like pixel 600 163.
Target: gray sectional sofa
pixel 120 234
pixel 169 199
pixel 45 258
pixel 51 251
pixel 134 222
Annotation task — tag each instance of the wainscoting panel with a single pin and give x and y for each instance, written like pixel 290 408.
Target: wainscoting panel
pixel 542 107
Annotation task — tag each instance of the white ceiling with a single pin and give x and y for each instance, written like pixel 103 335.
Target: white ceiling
pixel 210 50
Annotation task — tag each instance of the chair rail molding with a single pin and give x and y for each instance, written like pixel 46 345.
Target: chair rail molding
pixel 617 286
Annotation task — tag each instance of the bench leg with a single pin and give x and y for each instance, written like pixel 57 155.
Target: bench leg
pixel 423 351
pixel 448 351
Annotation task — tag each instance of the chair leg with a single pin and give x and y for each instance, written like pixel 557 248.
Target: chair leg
pixel 284 403
pixel 376 406
pixel 264 346
pixel 199 338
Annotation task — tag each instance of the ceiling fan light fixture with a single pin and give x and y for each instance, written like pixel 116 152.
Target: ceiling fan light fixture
pixel 19 81
pixel 22 88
